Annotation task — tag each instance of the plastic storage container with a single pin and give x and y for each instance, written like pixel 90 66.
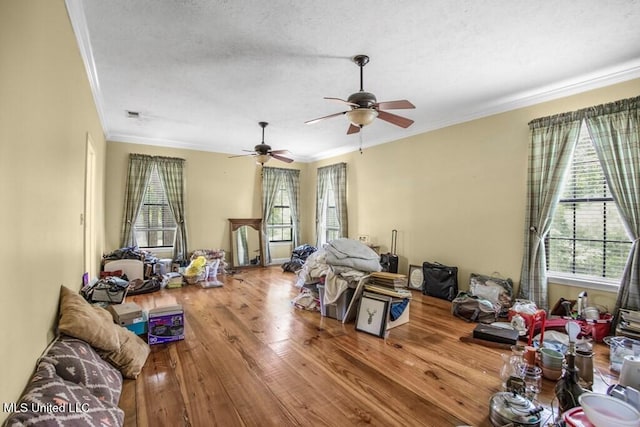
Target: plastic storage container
pixel 338 309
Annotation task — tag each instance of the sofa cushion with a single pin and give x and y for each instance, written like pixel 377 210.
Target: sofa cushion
pixel 51 401
pixel 81 320
pixel 77 362
pixel 131 355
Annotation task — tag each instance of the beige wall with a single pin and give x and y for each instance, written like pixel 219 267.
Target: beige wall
pixel 217 188
pixel 46 111
pixel 457 195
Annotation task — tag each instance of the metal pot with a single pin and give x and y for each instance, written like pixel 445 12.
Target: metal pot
pixel 507 407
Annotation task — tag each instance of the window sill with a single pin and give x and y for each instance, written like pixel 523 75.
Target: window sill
pixel 584 283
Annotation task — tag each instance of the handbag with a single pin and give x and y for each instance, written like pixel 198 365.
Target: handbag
pixel 440 281
pixel 474 309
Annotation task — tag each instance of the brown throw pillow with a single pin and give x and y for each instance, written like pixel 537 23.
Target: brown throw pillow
pixel 81 320
pixel 131 355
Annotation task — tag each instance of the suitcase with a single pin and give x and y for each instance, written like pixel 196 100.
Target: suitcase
pixel 389 261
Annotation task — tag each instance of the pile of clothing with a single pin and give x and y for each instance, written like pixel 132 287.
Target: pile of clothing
pixel 298 257
pixel 132 252
pixel 339 264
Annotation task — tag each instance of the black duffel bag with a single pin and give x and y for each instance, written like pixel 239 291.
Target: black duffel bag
pixel 440 281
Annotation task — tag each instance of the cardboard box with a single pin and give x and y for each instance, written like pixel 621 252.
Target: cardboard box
pixel 139 325
pixel 166 324
pixel 126 313
pixel 404 317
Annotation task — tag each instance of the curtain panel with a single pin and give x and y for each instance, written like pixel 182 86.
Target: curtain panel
pixel 551 144
pixel 171 171
pixel 336 177
pixel 140 167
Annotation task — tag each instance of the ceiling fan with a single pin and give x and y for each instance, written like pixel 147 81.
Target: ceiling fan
pixel 365 108
pixel 263 152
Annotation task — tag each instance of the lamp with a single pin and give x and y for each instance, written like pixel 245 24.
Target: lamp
pixel 262 158
pixel 362 116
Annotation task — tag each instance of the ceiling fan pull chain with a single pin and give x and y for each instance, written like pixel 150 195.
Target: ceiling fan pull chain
pixel 360 140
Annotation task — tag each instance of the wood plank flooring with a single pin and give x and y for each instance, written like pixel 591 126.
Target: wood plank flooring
pixel 250 358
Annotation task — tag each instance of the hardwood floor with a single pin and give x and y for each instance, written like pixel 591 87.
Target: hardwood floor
pixel 250 358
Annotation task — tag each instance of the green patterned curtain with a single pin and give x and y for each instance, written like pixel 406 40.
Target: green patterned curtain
pixel 615 130
pixel 292 179
pixel 336 177
pixel 551 144
pixel 137 178
pixel 172 176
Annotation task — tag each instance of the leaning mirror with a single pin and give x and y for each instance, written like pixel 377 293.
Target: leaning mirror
pixel 246 242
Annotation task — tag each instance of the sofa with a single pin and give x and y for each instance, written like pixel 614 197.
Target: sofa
pixel 78 379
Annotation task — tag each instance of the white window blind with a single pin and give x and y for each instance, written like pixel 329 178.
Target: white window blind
pixel 155 226
pixel 332 224
pixel 587 238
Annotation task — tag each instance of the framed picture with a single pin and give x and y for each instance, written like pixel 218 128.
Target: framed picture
pixel 415 278
pixel 373 312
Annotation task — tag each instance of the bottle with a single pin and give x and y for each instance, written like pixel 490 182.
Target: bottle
pixel 568 388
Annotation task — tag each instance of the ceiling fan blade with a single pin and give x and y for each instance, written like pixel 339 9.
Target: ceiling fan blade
pixel 353 129
pixel 281 158
pixel 395 105
pixel 395 119
pixel 242 155
pixel 310 122
pixel 278 151
pixel 341 100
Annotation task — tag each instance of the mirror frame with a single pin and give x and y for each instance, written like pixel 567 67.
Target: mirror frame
pixel 255 223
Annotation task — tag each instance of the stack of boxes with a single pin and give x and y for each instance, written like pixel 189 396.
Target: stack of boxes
pixel 161 325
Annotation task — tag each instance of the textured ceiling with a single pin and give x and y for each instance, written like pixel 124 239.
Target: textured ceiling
pixel 202 74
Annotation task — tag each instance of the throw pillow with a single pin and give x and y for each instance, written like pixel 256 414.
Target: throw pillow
pixel 77 362
pixel 49 400
pixel 81 320
pixel 131 355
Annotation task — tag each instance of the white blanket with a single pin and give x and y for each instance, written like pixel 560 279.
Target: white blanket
pixel 352 253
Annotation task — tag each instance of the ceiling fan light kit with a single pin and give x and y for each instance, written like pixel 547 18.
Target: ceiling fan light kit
pixel 261 159
pixel 362 116
pixel 365 108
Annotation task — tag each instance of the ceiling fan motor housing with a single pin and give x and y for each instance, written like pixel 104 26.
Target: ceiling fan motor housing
pixel 363 99
pixel 262 148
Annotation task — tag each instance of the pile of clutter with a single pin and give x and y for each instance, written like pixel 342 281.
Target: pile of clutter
pixel 338 265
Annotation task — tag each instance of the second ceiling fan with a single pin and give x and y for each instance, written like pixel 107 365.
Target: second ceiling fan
pixel 263 152
pixel 365 108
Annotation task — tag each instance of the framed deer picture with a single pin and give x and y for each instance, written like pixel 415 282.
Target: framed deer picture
pixel 373 313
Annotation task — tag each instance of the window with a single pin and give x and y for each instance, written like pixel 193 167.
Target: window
pixel 155 226
pixel 332 225
pixel 279 227
pixel 587 239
